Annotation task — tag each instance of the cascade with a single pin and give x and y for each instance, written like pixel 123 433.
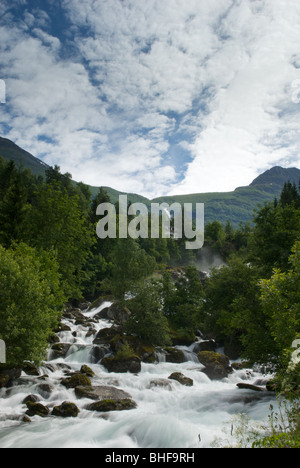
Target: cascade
pixel 168 414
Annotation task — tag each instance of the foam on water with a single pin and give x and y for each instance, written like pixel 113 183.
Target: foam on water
pixel 168 415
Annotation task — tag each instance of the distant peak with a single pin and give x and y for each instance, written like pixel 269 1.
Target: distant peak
pixel 277 176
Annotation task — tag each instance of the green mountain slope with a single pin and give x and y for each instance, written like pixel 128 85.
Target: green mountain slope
pixel 237 206
pixel 21 158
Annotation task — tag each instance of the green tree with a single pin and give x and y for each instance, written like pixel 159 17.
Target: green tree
pixel 147 320
pixel 280 296
pixel 57 224
pixel 131 266
pixel 183 299
pixel 233 311
pixel 31 301
pixel 276 230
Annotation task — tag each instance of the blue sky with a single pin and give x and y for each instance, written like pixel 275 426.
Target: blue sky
pixel 155 97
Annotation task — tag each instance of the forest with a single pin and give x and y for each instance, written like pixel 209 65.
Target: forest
pixel 50 256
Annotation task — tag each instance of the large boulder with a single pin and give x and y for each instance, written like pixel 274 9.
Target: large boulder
pixel 8 374
pixel 101 392
pixel 174 355
pixel 182 379
pixel 59 350
pixel 37 409
pixel 66 410
pixel 105 335
pixel 111 405
pixel 122 365
pixel 77 380
pixel 217 365
pixel 140 349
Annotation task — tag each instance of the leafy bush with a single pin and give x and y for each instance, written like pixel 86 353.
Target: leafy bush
pixel 30 302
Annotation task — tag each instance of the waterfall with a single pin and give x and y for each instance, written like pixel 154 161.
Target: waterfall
pixel 168 414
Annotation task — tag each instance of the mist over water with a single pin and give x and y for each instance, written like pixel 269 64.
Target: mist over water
pixel 207 259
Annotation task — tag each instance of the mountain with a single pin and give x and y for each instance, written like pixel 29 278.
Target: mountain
pixel 236 206
pixel 10 150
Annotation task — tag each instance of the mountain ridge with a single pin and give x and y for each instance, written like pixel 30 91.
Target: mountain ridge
pixel 236 206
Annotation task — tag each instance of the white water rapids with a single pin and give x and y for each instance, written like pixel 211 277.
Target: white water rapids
pixel 172 416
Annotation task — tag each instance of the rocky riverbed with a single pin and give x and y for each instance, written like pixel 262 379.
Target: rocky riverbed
pixel 90 392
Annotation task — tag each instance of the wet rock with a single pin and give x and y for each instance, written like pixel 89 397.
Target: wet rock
pixel 66 410
pixel 175 355
pixel 247 386
pixel 31 399
pixel 207 345
pixel 60 350
pixel 112 405
pixel 62 327
pixel 31 369
pixel 8 374
pixel 216 365
pixel 179 377
pixel 87 371
pixel 105 335
pixel 101 393
pixel 77 380
pixel 98 352
pixel 160 383
pixel 45 390
pixel 37 409
pixel 122 365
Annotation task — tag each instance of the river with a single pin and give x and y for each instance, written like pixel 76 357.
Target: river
pixel 168 416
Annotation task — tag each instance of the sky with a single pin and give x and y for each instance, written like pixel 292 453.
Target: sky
pixel 156 97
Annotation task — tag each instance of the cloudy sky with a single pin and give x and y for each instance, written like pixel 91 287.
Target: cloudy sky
pixel 155 97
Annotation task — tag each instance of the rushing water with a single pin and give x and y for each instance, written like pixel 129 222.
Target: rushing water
pixel 167 416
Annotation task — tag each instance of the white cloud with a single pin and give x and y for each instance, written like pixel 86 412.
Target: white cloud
pixel 143 76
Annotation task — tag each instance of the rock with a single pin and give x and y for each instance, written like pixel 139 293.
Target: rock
pixel 37 409
pixel 77 380
pixel 175 355
pixel 122 365
pixel 62 327
pixel 142 350
pixel 181 379
pixel 249 387
pixel 59 350
pixel 66 410
pixel 98 352
pixel 101 393
pixel 98 302
pixel 31 369
pixel 45 390
pixel 87 371
pixel 160 383
pixel 91 331
pixel 207 345
pixel 216 365
pixel 31 398
pixel 112 405
pixel 105 335
pixel 8 374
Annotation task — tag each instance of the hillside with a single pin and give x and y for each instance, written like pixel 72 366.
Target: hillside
pixel 237 206
pixel 22 158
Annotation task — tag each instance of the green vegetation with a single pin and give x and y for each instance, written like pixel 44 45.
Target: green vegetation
pixel 50 255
